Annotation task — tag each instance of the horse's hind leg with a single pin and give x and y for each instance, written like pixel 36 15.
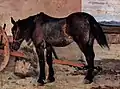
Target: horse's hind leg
pixel 87 49
pixel 49 62
pixel 89 54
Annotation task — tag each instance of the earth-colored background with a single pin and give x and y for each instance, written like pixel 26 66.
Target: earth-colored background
pixel 66 77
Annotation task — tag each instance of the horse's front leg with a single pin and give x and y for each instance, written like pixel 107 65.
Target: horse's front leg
pixel 40 52
pixel 50 62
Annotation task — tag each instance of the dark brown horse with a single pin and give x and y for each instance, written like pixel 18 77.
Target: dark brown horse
pixel 46 31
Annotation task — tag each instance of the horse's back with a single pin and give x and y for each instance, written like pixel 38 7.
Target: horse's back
pixel 59 31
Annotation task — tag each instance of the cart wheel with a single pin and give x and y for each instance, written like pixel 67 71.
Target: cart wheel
pixel 4 44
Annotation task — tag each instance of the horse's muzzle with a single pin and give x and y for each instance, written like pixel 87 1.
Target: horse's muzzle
pixel 15 46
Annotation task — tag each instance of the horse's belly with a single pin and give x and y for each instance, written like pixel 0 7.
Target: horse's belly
pixel 60 42
pixel 56 33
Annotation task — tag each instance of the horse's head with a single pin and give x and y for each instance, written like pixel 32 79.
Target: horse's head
pixel 18 34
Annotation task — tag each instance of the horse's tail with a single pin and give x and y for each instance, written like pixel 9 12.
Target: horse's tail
pixel 98 33
pixel 54 53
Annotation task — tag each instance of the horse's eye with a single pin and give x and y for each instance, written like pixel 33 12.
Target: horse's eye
pixel 13 32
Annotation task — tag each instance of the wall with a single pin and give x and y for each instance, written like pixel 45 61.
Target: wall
pixel 102 9
pixel 20 9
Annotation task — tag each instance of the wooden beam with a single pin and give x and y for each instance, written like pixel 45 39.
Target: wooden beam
pixel 15 53
pixel 56 61
pixel 111 30
pixel 70 63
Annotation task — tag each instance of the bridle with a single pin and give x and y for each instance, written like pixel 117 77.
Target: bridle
pixel 19 40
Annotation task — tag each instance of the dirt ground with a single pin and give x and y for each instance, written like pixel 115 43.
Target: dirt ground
pixel 69 77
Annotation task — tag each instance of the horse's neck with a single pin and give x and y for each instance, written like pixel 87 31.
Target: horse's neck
pixel 28 31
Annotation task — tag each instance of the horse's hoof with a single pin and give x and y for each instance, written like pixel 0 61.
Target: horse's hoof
pixel 50 80
pixel 40 83
pixel 86 81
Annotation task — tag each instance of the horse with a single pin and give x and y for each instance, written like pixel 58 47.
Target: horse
pixel 46 31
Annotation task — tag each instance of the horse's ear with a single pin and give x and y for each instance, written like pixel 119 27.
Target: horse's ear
pixel 12 20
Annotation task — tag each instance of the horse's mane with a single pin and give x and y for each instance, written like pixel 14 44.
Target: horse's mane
pixel 42 14
pixel 25 23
